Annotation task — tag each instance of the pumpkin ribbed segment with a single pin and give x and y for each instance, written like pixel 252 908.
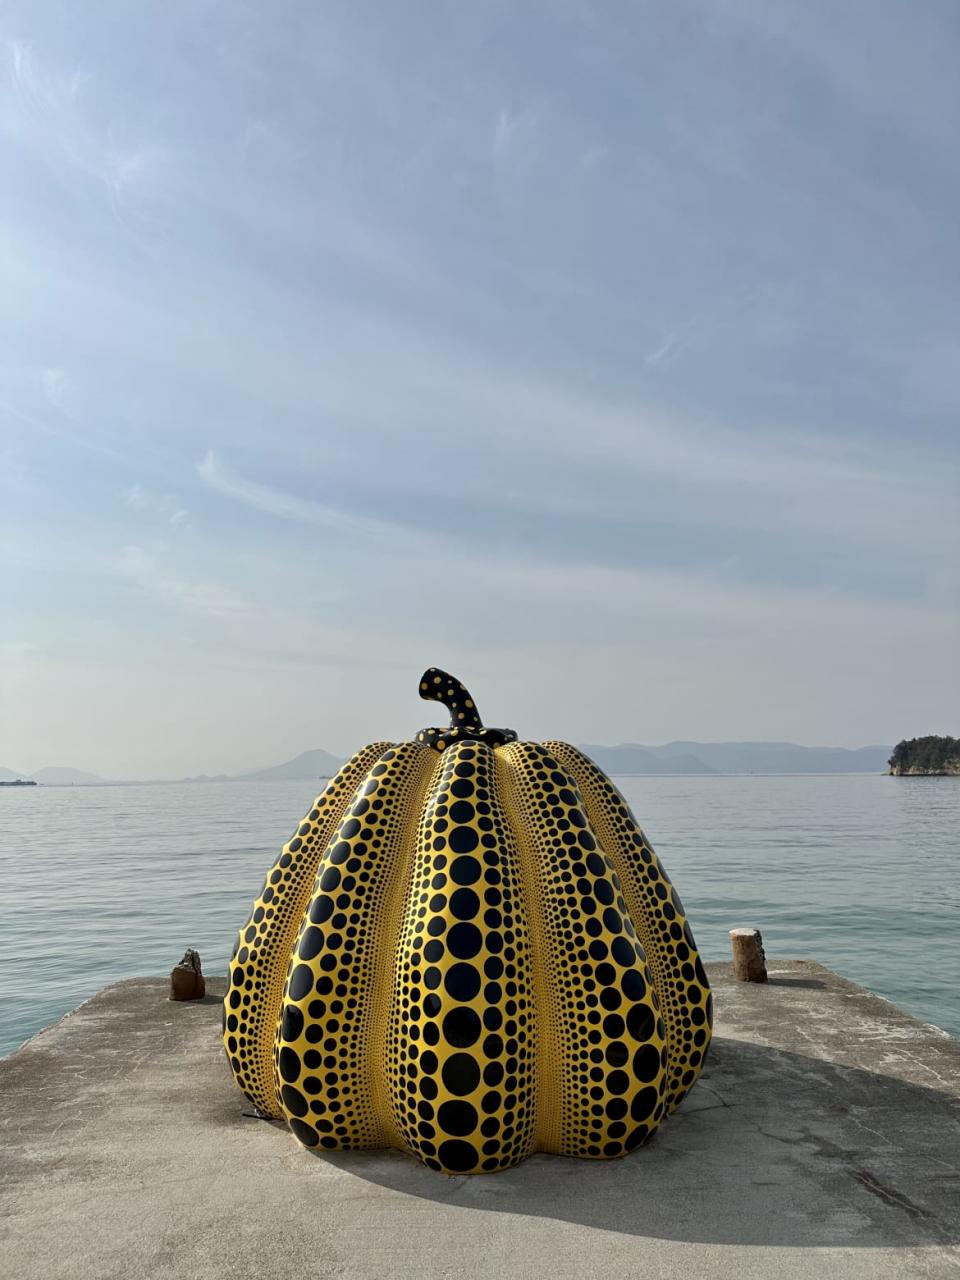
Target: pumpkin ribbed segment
pixel 655 906
pixel 262 952
pixel 609 1034
pixel 462 1048
pixel 329 1047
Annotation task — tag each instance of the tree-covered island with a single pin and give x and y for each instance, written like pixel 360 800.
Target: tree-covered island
pixel 926 756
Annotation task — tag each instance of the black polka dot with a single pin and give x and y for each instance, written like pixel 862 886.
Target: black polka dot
pixel 646 1063
pixel 613 1026
pixel 321 909
pixel 311 944
pixel 458 1118
pixel 461 1074
pixel 301 981
pixel 641 1022
pixel 458 1156
pixel 292 1027
pixel 634 987
pixel 644 1104
pixel 464 904
pixel 463 839
pixel 618 1082
pixel 462 982
pixel 465 871
pixel 617 1054
pixel 289 1064
pixel 461 1028
pixel 294 1100
pixel 464 941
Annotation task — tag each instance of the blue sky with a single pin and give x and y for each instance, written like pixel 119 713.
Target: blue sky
pixel 607 355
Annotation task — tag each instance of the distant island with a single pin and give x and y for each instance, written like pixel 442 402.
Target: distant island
pixel 926 757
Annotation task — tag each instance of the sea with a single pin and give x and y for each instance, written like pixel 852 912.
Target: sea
pixel 859 872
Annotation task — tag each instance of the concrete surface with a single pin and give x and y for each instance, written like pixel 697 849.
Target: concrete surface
pixel 821 1142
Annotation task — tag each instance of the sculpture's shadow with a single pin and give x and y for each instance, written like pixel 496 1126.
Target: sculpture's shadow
pixel 770 1148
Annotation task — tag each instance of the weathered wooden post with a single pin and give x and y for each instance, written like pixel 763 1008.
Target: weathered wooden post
pixel 186 979
pixel 749 962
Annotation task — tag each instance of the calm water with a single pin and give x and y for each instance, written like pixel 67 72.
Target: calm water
pixel 858 872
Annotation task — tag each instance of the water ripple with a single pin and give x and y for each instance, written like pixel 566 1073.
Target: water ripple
pixel 857 872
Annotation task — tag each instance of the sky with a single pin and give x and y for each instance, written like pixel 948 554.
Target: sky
pixel 606 355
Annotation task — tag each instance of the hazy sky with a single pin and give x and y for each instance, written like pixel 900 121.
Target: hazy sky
pixel 606 354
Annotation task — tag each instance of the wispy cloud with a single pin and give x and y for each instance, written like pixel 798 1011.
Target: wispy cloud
pixel 57 389
pixel 52 119
pixel 166 505
pixel 286 506
pixel 146 571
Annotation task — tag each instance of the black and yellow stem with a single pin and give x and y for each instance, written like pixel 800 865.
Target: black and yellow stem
pixel 440 686
pixel 465 722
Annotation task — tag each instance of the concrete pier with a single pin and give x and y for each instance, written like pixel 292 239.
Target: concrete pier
pixel 823 1141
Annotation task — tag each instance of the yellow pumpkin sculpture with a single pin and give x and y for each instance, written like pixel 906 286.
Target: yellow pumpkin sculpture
pixel 468 950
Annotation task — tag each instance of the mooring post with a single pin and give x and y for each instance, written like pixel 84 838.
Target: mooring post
pixel 186 978
pixel 749 962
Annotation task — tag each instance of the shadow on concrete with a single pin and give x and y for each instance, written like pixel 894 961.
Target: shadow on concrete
pixel 209 998
pixel 771 1148
pixel 807 984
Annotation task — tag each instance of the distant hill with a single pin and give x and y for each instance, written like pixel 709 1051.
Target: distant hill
pixel 66 777
pixel 305 766
pixel 738 757
pixel 55 777
pixel 308 764
pixel 630 758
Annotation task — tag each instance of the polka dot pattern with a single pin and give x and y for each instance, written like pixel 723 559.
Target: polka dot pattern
pixel 664 931
pixel 606 1036
pixel 462 1037
pixel 329 1056
pixel 468 950
pixel 260 957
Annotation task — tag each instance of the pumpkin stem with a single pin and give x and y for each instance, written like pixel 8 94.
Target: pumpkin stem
pixel 440 686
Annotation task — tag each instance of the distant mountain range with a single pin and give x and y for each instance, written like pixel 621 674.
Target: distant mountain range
pixel 308 764
pixel 54 777
pixel 695 758
pixel 738 757
pixel 631 758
